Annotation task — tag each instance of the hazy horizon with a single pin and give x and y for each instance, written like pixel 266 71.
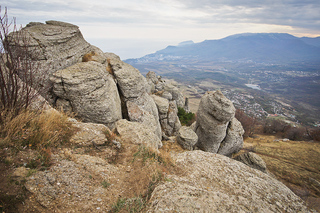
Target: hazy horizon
pixel 123 26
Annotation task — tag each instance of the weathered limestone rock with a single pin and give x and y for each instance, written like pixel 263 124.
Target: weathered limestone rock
pixel 233 141
pixel 215 183
pixel 137 133
pixel 213 117
pixel 87 133
pixel 253 160
pixel 167 91
pixel 169 119
pixel 61 44
pixel 144 110
pixel 136 103
pixel 187 138
pixel 90 91
pixel 131 82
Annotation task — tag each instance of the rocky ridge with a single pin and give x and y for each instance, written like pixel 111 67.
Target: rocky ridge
pixel 112 96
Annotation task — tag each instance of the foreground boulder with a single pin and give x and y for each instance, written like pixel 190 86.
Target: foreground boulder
pixel 214 128
pixel 87 89
pixel 215 183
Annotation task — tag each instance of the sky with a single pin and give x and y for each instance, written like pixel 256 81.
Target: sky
pixel 134 28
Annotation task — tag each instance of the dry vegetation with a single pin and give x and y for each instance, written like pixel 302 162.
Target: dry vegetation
pixel 295 163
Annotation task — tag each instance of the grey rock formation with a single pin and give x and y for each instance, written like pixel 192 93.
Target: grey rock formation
pixel 233 141
pixel 187 138
pixel 61 44
pixel 168 91
pixel 143 110
pixel 137 133
pixel 169 119
pixel 215 183
pixel 253 160
pixel 131 82
pixel 90 91
pixel 214 127
pixel 136 102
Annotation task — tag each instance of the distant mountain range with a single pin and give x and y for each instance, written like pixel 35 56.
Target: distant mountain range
pixel 253 47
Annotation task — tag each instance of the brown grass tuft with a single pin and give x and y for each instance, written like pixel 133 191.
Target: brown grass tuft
pixel 109 67
pixel 88 57
pixel 37 130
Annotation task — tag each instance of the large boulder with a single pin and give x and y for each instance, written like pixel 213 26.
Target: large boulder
pixel 131 82
pixel 233 141
pixel 90 91
pixel 59 44
pixel 215 183
pixel 144 110
pixel 216 126
pixel 137 104
pixel 137 133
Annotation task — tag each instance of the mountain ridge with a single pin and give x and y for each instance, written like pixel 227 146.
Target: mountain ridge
pixel 257 47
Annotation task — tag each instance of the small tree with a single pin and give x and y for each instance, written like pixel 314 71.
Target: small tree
pixel 248 123
pixel 18 69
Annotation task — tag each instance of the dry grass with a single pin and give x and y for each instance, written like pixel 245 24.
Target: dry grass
pixel 295 163
pixel 109 67
pixel 38 130
pixel 88 57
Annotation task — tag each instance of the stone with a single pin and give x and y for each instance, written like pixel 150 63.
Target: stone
pixel 90 91
pixel 253 160
pixel 215 183
pixel 214 114
pixel 59 44
pixel 169 119
pixel 137 133
pixel 19 173
pixel 130 81
pixel 233 141
pixel 87 133
pixel 187 138
pixel 144 110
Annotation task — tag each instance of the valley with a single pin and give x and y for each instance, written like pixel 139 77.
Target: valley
pixel 293 94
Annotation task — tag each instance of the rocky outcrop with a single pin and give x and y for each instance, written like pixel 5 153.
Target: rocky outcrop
pixel 253 160
pixel 169 119
pixel 187 138
pixel 158 86
pixel 214 128
pixel 90 91
pixel 61 44
pixel 215 183
pixel 136 102
pixel 137 133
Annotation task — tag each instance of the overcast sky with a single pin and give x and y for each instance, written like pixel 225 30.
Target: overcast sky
pixel 133 28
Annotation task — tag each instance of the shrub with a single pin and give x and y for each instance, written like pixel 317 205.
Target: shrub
pixel 186 118
pixel 248 123
pixel 20 77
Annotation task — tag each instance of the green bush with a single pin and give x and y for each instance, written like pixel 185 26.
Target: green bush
pixel 186 118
